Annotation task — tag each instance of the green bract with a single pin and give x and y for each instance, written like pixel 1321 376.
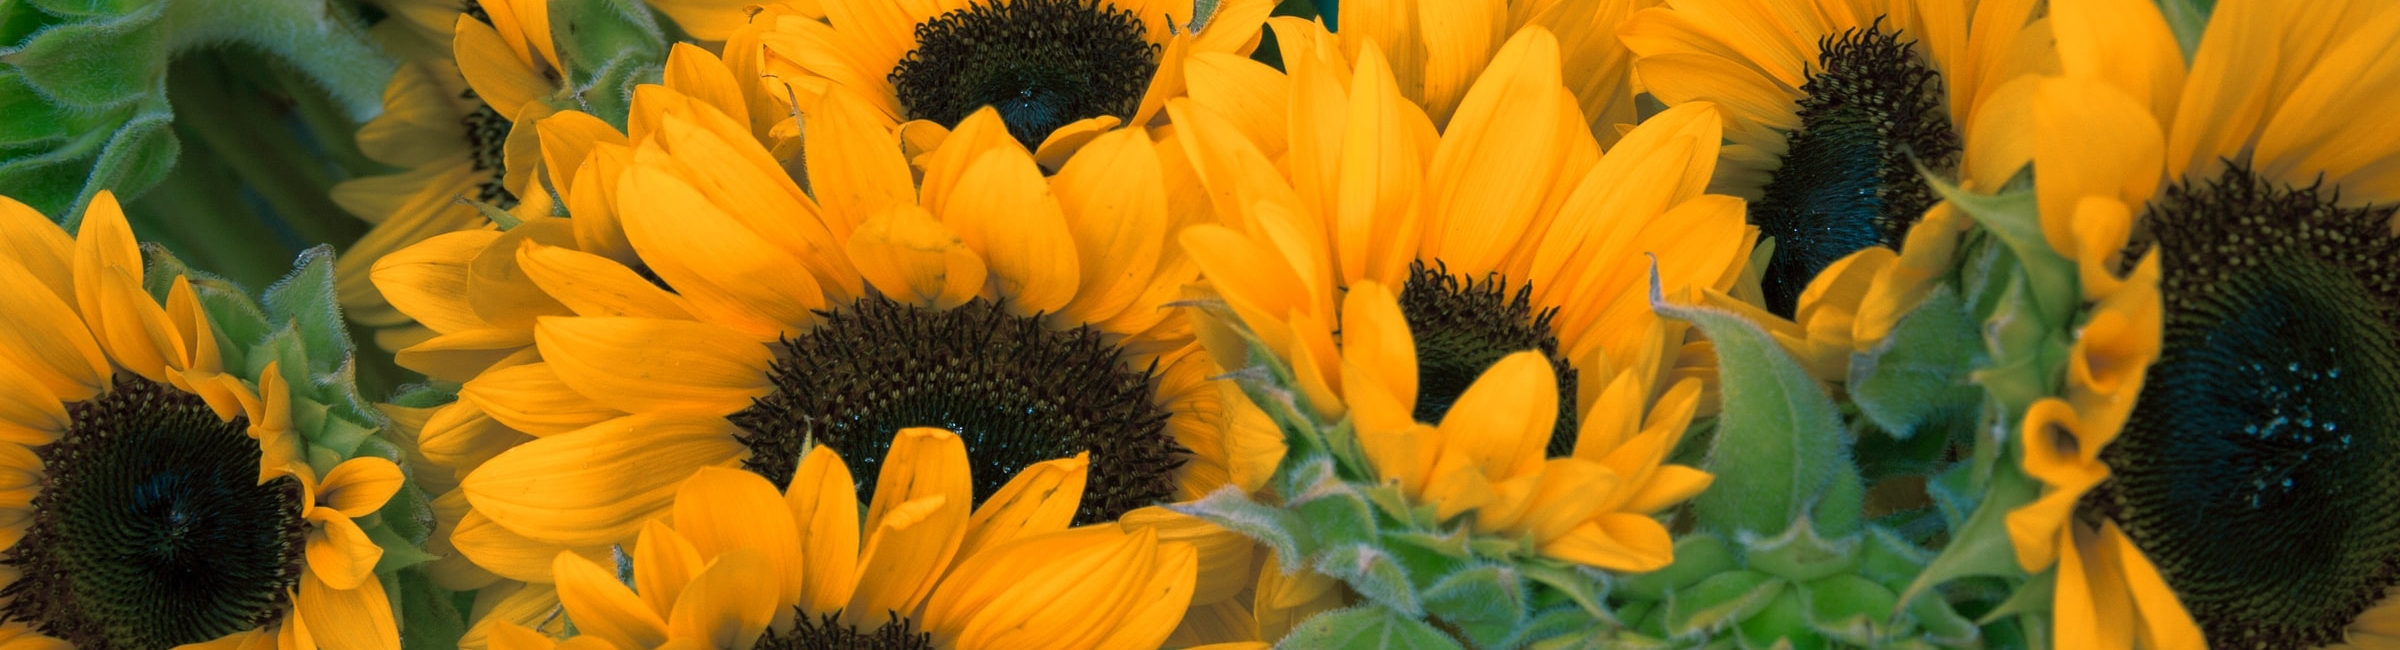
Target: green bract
pixel 83 92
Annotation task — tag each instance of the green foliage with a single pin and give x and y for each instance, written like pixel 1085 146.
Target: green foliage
pixel 607 47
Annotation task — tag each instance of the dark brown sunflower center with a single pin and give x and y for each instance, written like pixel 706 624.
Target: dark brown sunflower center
pixel 2257 469
pixel 151 529
pixel 487 138
pixel 1017 391
pixel 828 633
pixel 1042 63
pixel 1849 177
pixel 1462 328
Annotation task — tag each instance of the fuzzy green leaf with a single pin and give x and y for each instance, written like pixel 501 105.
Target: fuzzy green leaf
pixel 1918 376
pixel 1782 620
pixel 1372 573
pixel 304 300
pixel 1801 555
pixel 1850 608
pixel 136 158
pixel 2016 219
pixel 99 63
pixel 1486 603
pixel 1697 556
pixel 607 46
pixel 1278 529
pixel 428 619
pixel 1982 547
pixel 1779 438
pixel 1720 601
pixel 1365 627
pixel 32 119
pixel 1586 587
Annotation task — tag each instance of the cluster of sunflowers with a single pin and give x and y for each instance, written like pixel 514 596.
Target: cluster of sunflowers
pixel 1227 324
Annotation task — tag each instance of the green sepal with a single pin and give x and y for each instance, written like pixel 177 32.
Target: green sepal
pixel 1372 573
pixel 98 60
pixel 1366 627
pixel 1780 622
pixel 1583 586
pixel 1779 439
pixel 1486 604
pixel 1801 555
pixel 427 615
pixel 1983 546
pixel 398 552
pixel 1721 601
pixel 1278 529
pixel 1850 609
pixel 304 301
pixel 2015 218
pixel 607 47
pixel 35 120
pixel 1337 514
pixel 1698 555
pixel 1918 376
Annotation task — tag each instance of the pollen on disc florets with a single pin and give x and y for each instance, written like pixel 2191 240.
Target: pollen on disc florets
pixel 2256 470
pixel 1849 178
pixel 1461 328
pixel 1017 391
pixel 1042 64
pixel 151 529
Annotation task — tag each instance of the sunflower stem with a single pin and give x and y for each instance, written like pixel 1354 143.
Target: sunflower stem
pixel 313 35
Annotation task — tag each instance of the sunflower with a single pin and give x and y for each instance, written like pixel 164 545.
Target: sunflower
pixel 925 573
pixel 451 134
pixel 1437 48
pixel 2229 398
pixel 846 316
pixel 1508 232
pixel 1830 107
pixel 154 499
pixel 1058 72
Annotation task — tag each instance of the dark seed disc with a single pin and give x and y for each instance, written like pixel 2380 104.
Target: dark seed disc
pixel 1462 328
pixel 1042 63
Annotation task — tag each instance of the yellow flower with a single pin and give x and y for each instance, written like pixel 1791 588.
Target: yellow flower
pixel 1830 106
pixel 2225 399
pixel 742 561
pixel 153 499
pixel 1437 48
pixel 1058 71
pixel 1508 232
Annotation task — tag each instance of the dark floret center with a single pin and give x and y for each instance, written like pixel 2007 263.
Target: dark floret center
pixel 2257 468
pixel 1017 391
pixel 1462 327
pixel 487 139
pixel 827 632
pixel 1849 177
pixel 151 529
pixel 1042 63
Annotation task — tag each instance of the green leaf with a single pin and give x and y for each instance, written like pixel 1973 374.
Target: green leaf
pixel 607 46
pixel 1337 513
pixel 1800 555
pixel 1372 573
pixel 1849 608
pixel 1486 604
pixel 1779 437
pixel 1888 559
pixel 32 119
pixel 2016 219
pixel 1586 587
pixel 1938 622
pixel 1279 530
pixel 135 159
pixel 428 620
pixel 1918 376
pixel 1365 627
pixel 1983 546
pixel 398 553
pixel 99 63
pixel 1720 601
pixel 1697 556
pixel 1781 620
pixel 305 301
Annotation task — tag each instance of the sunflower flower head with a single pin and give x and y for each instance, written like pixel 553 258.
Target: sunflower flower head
pixel 173 427
pixel 920 570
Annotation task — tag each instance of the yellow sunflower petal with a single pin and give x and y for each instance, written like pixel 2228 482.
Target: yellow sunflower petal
pixel 693 71
pixel 1489 177
pixel 872 175
pixel 428 280
pixel 916 522
pixel 727 606
pixel 567 139
pixel 2090 602
pixel 1375 339
pixel 914 259
pixel 364 615
pixel 108 288
pixel 650 365
pixel 1247 92
pixel 1459 39
pixel 663 564
pixel 509 555
pixel 597 485
pixel 1381 164
pixel 1502 422
pixel 723 510
pixel 530 398
pixel 1003 208
pixel 2128 45
pixel 824 503
pixel 602 607
pixel 360 486
pixel 1113 196
pixel 1160 604
pixel 2091 139
pixel 43 341
pixel 340 554
pixel 2164 623
pixel 30 239
pixel 498 76
pixel 1042 498
pixel 722 268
